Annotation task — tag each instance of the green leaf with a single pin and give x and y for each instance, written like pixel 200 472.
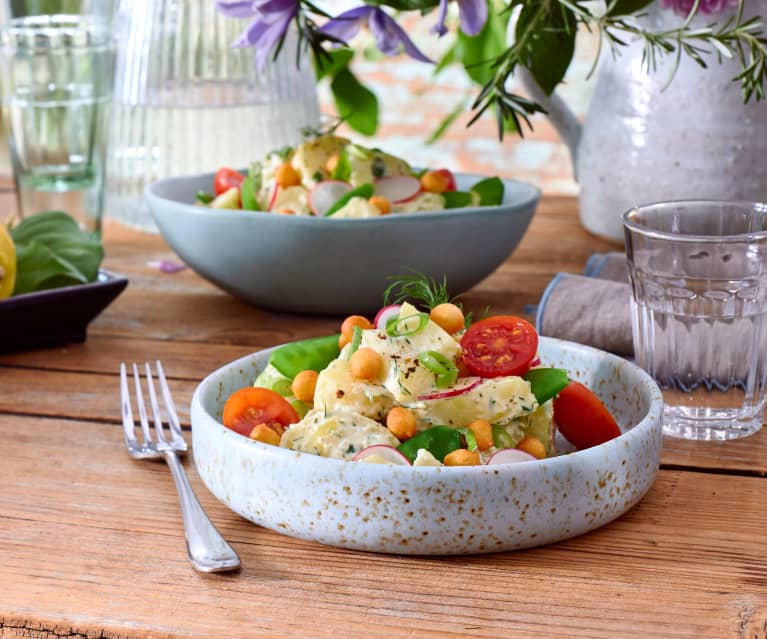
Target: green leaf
pixel 548 51
pixel 356 104
pixel 336 60
pixel 457 199
pixel 490 191
pixel 447 122
pixel 627 7
pixel 478 52
pixel 53 251
pixel 363 190
pixel 40 268
pixel 204 197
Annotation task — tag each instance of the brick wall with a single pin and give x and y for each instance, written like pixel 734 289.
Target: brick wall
pixel 413 103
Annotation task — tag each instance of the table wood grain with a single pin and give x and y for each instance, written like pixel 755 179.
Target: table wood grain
pixel 91 543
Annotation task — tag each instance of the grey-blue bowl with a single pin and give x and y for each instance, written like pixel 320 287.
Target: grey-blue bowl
pixel 327 266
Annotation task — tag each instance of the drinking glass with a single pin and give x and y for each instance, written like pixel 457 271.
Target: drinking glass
pixel 698 270
pixel 56 74
pixel 187 102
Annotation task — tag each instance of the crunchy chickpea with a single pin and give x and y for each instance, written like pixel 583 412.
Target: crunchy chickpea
pixel 533 446
pixel 342 341
pixel 286 211
pixel 262 433
pixel 462 457
pixel 449 317
pixel 366 364
pixel 401 422
pixel 483 433
pixel 332 163
pixel 287 176
pixel 304 385
pixel 347 328
pixel 434 182
pixel 381 203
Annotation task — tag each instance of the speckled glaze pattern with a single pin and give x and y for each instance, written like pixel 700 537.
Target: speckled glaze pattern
pixel 327 266
pixel 645 140
pixel 437 511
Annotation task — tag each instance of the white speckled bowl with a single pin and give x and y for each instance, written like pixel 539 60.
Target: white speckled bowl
pixel 336 267
pixel 437 511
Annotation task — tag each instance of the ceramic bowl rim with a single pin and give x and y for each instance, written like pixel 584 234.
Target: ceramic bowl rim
pixel 530 199
pixel 651 419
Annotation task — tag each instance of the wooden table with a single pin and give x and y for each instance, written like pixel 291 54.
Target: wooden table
pixel 91 543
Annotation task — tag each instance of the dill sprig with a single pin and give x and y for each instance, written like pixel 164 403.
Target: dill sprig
pixel 419 288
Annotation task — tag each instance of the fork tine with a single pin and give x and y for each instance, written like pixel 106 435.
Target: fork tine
pixel 140 405
pixel 154 405
pixel 175 425
pixel 127 411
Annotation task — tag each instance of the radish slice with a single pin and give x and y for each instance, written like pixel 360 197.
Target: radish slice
pixel 385 314
pixel 398 188
pixel 381 454
pixel 535 363
pixel 273 199
pixel 510 456
pixel 463 385
pixel 325 194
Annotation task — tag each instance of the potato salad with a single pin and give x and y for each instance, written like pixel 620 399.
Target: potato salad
pixel 330 176
pixel 419 388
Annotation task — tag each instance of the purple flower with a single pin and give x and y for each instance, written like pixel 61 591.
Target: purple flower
pixel 683 7
pixel 389 36
pixel 472 14
pixel 166 266
pixel 272 18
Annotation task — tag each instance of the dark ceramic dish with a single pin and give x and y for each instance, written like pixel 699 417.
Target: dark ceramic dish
pixel 56 316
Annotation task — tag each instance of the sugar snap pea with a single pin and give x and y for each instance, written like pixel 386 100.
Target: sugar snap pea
pixel 309 354
pixel 438 440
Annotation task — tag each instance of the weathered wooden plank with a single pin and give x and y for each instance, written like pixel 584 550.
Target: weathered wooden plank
pixel 75 395
pixel 92 542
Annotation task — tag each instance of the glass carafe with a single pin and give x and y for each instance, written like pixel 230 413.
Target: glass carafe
pixel 187 102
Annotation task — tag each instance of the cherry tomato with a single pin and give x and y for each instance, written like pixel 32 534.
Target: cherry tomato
pixel 448 175
pixel 249 407
pixel 582 418
pixel 225 179
pixel 499 346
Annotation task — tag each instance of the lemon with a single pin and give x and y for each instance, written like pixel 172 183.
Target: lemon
pixel 7 263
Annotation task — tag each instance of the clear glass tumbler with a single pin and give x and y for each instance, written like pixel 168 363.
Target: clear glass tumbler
pixel 699 275
pixel 187 102
pixel 56 74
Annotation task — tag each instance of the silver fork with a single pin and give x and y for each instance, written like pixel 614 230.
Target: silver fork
pixel 207 549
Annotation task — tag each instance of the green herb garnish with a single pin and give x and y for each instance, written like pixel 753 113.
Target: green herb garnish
pixel 52 251
pixel 204 197
pixel 419 288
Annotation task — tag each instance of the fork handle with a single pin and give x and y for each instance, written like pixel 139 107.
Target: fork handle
pixel 208 550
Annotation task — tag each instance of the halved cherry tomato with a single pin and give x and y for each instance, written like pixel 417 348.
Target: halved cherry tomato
pixel 582 418
pixel 249 407
pixel 499 346
pixel 225 179
pixel 448 175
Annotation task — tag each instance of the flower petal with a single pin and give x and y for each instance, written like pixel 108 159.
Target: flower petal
pixel 389 35
pixel 439 28
pixel 347 24
pixel 473 15
pixel 236 8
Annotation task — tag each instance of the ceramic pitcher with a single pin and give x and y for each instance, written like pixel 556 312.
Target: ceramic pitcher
pixel 646 140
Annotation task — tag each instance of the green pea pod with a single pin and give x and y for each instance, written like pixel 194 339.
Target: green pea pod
pixel 546 383
pixel 439 441
pixel 471 439
pixel 309 354
pixel 363 190
pixel 501 439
